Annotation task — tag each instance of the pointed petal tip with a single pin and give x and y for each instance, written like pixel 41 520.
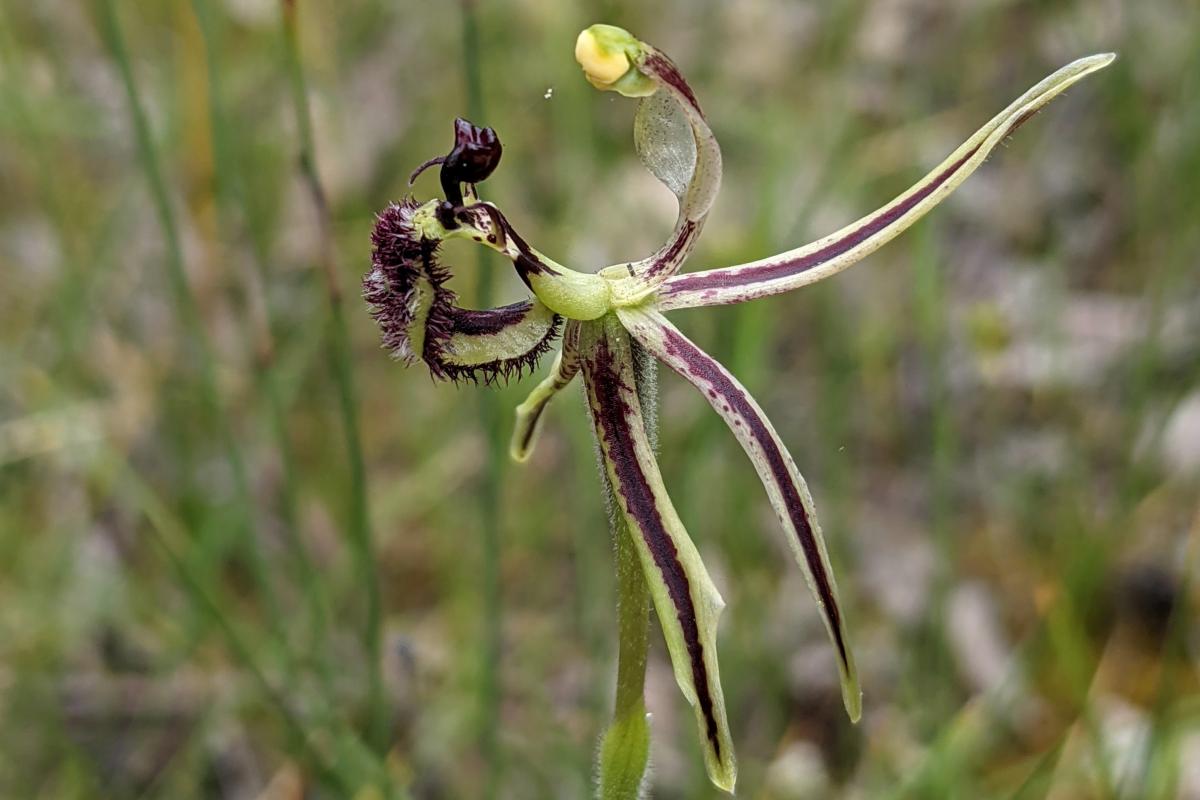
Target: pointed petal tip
pixel 1094 62
pixel 724 778
pixel 852 699
pixel 851 689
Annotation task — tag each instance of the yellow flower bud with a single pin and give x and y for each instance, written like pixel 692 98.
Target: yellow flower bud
pixel 603 66
pixel 608 55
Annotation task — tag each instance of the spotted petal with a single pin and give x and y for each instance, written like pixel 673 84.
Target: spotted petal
pixel 834 253
pixel 785 487
pixel 685 599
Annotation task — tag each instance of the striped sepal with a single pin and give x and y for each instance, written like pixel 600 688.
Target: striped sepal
pixel 834 253
pixel 786 488
pixel 687 602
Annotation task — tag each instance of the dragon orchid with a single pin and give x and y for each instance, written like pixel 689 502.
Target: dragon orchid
pixel 610 322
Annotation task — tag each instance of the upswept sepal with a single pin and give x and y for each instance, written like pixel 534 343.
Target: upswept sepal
pixel 671 136
pixel 832 254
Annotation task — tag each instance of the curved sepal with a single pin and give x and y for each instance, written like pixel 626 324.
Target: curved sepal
pixel 671 135
pixel 832 254
pixel 685 599
pixel 664 142
pixel 785 486
pixel 529 413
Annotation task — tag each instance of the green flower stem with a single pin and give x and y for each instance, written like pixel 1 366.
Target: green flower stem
pixel 625 748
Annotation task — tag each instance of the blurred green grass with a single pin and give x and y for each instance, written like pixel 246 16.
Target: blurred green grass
pixel 997 413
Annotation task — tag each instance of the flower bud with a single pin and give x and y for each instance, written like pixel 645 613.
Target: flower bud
pixel 608 55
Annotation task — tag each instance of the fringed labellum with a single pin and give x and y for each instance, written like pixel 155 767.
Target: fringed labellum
pixel 612 313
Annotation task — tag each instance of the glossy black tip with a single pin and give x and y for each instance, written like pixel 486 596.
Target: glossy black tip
pixel 475 156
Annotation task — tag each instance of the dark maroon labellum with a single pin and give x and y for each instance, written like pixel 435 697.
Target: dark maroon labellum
pixel 474 157
pixel 403 265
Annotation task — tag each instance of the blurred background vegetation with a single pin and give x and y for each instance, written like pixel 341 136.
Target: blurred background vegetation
pixel 245 554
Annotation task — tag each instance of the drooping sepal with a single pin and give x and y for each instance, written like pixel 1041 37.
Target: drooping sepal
pixel 685 599
pixel 529 413
pixel 418 318
pixel 776 469
pixel 832 254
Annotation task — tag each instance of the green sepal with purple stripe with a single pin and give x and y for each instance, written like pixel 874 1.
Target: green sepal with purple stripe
pixel 776 469
pixel 686 601
pixel 834 253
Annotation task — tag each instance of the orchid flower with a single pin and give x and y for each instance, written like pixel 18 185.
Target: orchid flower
pixel 609 321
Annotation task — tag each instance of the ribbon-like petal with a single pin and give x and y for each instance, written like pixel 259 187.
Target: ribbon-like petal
pixel 832 254
pixel 529 413
pixel 785 487
pixel 685 599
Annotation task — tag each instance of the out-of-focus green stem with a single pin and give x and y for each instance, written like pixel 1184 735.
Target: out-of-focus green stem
pixel 491 419
pixel 343 373
pixel 230 193
pixel 189 313
pixel 165 529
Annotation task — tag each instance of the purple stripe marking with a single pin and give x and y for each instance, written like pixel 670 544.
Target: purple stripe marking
pixel 682 240
pixel 526 261
pixel 613 414
pixel 719 279
pixel 491 321
pixel 661 66
pixel 527 439
pixel 701 367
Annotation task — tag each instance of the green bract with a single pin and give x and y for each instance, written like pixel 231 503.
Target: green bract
pixel 613 319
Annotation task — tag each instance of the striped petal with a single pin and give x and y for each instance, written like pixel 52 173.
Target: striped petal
pixel 786 488
pixel 529 413
pixel 685 599
pixel 834 253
